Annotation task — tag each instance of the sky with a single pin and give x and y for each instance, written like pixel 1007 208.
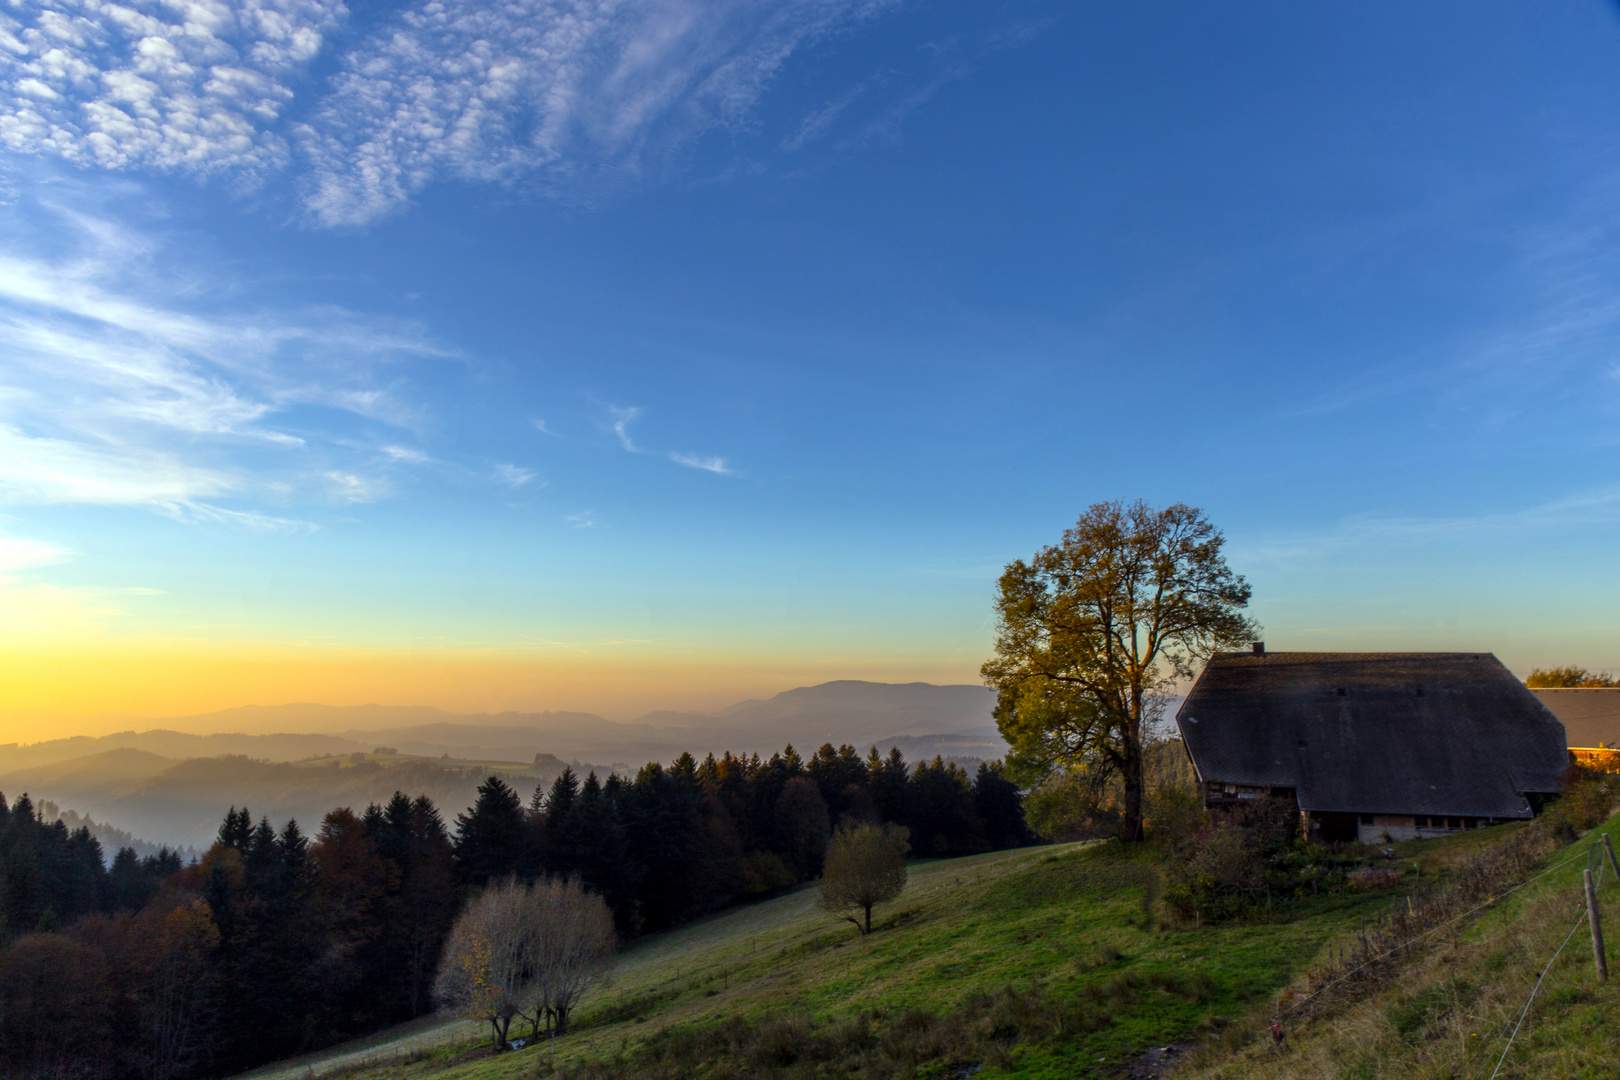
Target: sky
pixel 634 354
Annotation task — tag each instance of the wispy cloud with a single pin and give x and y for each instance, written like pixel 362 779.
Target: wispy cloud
pixel 540 426
pixel 700 461
pixel 192 512
pixel 584 519
pixel 18 554
pixel 534 89
pixel 513 476
pixel 34 607
pixel 814 126
pixel 1559 331
pixel 405 454
pixel 51 470
pixel 350 487
pixel 114 392
pixel 1597 507
pixel 622 418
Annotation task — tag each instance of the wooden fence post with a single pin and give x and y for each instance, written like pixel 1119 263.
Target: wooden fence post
pixel 1596 924
pixel 1614 863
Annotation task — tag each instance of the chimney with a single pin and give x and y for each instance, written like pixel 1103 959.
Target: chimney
pixel 1259 648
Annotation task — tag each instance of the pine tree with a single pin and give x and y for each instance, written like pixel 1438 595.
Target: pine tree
pixel 603 864
pixel 490 836
pixel 835 773
pixel 427 901
pixel 889 779
pixel 237 829
pixel 560 852
pixel 1000 807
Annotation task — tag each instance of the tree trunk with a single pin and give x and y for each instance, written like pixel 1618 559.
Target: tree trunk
pixel 1130 829
pixel 868 929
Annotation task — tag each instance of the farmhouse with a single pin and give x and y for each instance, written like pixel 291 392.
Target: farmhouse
pixel 1591 716
pixel 1373 746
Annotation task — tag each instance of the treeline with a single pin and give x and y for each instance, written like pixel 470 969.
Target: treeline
pixel 277 943
pixel 677 842
pixel 112 838
pixel 51 875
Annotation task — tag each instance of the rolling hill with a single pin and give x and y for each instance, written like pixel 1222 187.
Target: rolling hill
pixel 1041 963
pixel 170 786
pixel 182 802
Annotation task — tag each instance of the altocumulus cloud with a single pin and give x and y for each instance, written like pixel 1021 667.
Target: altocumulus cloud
pixel 195 84
pixel 562 91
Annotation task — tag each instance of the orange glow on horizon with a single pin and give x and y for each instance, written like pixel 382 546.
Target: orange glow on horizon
pixel 54 691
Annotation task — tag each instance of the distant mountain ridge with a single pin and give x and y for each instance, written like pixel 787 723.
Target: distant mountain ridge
pixel 852 708
pixel 842 711
pixel 154 784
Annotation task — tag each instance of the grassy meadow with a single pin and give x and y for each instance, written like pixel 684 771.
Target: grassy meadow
pixel 1451 1011
pixel 1040 962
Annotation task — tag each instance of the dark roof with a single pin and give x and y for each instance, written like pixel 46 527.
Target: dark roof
pixel 1393 733
pixel 1591 715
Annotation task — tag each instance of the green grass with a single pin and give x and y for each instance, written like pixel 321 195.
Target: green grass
pixel 1061 928
pixel 1451 1010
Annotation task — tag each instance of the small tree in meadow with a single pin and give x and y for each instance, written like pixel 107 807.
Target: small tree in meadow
pixel 569 951
pixel 529 950
pixel 482 970
pixel 865 866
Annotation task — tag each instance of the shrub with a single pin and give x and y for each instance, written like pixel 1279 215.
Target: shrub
pixel 1216 873
pixel 1083 805
pixel 1372 878
pixel 1245 855
pixel 1173 814
pixel 1589 797
pixel 764 871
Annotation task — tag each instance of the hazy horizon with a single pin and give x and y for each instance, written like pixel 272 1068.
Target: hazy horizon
pixel 718 355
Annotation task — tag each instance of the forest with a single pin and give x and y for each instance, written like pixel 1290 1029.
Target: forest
pixel 277 942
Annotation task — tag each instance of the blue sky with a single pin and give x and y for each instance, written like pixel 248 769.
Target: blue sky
pixel 762 335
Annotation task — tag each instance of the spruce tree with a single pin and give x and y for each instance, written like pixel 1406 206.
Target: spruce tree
pixel 490 835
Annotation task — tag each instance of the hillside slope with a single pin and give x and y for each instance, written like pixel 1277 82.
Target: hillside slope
pixel 1452 1008
pixel 1046 946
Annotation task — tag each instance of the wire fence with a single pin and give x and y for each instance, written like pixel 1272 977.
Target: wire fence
pixel 1594 854
pixel 1481 883
pixel 1440 909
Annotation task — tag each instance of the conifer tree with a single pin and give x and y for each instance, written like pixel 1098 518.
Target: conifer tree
pixel 490 836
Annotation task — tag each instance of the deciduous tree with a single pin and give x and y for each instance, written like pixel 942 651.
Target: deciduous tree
pixel 570 943
pixel 1568 678
pixel 866 866
pixel 1093 632
pixel 173 985
pixel 525 949
pixel 481 972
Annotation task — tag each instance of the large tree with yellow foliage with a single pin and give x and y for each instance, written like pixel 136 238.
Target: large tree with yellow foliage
pixel 1094 631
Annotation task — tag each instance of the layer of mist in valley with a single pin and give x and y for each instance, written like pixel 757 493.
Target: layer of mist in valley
pixel 163 786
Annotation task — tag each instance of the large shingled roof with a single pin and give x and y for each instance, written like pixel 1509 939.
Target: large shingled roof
pixel 1591 715
pixel 1391 733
